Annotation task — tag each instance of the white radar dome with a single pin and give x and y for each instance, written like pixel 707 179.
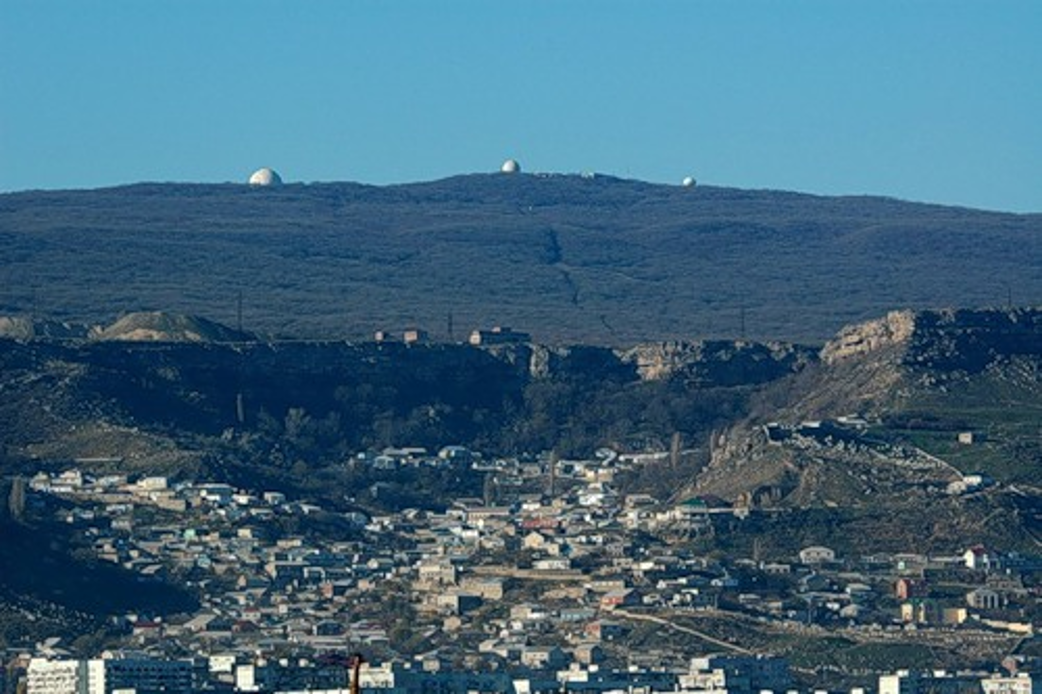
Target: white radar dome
pixel 265 177
pixel 688 182
pixel 510 166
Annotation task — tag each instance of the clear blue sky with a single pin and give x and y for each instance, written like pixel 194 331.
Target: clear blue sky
pixel 935 101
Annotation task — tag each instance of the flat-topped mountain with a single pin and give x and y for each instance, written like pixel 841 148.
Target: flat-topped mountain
pixel 569 259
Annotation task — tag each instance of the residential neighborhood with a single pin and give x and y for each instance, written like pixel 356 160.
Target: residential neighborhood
pixel 554 581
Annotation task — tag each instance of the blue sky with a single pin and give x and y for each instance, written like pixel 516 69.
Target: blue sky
pixel 933 101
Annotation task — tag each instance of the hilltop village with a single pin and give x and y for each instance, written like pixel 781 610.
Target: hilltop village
pixel 552 582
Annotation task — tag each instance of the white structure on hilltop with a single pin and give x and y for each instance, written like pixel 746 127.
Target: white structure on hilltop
pixel 265 177
pixel 688 182
pixel 510 166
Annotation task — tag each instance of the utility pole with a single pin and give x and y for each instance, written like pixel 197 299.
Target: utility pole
pixel 240 405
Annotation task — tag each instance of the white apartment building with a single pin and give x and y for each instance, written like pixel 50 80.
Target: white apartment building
pixel 108 676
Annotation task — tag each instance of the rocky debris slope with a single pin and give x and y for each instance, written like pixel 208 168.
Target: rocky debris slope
pixel 157 326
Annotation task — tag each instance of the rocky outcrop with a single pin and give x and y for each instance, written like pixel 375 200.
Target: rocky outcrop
pixel 895 329
pixel 717 362
pixel 22 328
pixel 970 341
pixel 702 363
pixel 600 363
pixel 941 340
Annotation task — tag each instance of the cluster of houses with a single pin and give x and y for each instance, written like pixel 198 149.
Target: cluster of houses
pixel 538 586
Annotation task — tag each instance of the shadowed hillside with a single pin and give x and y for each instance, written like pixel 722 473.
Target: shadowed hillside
pixel 569 259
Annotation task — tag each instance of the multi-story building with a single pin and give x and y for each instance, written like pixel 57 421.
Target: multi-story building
pixel 45 676
pixel 108 675
pixel 737 673
pixel 997 684
pixel 912 682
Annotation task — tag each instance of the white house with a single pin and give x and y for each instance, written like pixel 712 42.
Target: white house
pixel 817 555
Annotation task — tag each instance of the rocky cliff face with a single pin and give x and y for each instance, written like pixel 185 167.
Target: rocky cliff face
pixel 970 341
pixel 893 330
pixel 717 362
pixel 700 363
pixel 23 328
pixel 578 360
pixel 944 340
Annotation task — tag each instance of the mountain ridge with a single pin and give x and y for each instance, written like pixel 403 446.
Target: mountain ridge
pixel 568 258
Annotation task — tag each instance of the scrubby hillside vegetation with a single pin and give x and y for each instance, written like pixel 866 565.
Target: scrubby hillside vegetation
pixel 569 259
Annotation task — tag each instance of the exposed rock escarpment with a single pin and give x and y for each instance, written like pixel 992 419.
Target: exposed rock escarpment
pixel 717 362
pixel 870 337
pixel 945 340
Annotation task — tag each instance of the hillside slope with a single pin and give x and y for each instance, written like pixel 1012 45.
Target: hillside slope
pixel 567 258
pixel 857 448
pixel 931 417
pixel 163 406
